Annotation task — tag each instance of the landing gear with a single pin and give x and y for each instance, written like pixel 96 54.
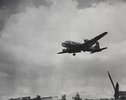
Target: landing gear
pixel 74 54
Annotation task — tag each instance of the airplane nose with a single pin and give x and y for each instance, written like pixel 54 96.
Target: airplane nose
pixel 63 44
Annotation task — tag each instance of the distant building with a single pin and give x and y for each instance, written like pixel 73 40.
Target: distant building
pixel 50 98
pixel 21 98
pixel 77 97
pixel 36 98
pixel 63 97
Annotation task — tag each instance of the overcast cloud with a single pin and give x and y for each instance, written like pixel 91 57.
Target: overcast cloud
pixel 31 37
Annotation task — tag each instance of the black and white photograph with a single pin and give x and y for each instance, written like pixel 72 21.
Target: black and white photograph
pixel 62 49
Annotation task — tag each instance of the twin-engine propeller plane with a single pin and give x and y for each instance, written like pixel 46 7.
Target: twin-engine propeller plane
pixel 91 46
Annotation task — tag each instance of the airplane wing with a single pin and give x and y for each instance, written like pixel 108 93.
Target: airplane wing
pixel 69 51
pixel 61 52
pixel 95 39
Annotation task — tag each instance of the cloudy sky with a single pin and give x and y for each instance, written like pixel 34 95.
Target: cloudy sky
pixel 31 33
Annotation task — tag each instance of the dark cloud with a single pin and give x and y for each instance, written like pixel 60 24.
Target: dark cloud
pixel 92 3
pixel 88 3
pixel 13 4
pixel 9 7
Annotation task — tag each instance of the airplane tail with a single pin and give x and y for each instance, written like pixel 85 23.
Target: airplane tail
pixel 99 50
pixel 97 45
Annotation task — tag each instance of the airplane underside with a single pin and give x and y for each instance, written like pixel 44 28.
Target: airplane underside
pixel 72 51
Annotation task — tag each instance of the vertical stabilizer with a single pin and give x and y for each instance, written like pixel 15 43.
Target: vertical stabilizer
pixel 97 45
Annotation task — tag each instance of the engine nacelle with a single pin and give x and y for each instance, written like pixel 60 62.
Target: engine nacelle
pixel 65 50
pixel 86 40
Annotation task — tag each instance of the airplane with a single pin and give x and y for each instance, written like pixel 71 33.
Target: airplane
pixel 118 94
pixel 75 47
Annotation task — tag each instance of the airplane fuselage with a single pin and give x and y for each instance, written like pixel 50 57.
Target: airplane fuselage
pixel 78 47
